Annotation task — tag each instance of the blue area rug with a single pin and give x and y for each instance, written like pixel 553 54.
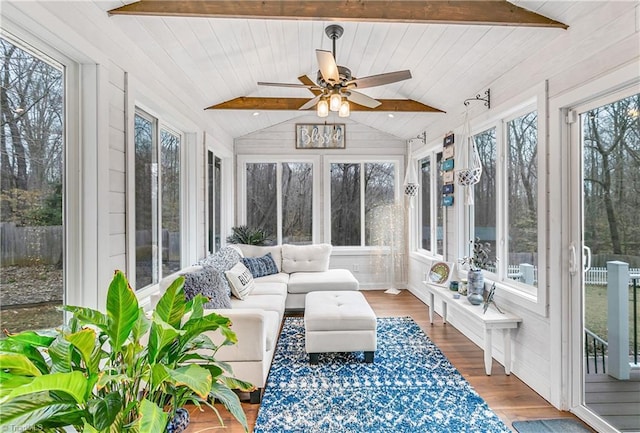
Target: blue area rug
pixel 411 387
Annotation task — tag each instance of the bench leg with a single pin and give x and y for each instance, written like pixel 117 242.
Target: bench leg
pixel 255 396
pixel 368 357
pixel 313 358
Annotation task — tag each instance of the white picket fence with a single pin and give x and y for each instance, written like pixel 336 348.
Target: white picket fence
pixel 594 276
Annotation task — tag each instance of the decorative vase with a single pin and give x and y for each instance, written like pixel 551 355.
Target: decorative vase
pixel 475 286
pixel 179 422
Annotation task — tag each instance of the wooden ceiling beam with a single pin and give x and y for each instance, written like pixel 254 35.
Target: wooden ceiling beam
pixel 469 12
pixel 260 103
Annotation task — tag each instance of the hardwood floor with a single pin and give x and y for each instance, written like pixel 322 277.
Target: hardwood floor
pixel 508 396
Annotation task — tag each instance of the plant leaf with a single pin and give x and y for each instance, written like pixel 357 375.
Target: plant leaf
pixel 32 338
pixel 141 326
pixel 161 335
pixel 8 345
pixel 231 401
pixel 171 306
pixel 104 410
pixel 197 326
pixel 28 411
pixel 194 377
pixel 152 418
pixel 122 310
pixel 60 352
pixel 85 342
pixel 73 384
pixel 89 316
pixel 18 364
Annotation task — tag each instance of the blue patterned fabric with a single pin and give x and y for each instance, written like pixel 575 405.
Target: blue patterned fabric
pixel 261 266
pixel 410 387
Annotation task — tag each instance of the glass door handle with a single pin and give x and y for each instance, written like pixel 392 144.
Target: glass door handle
pixel 586 258
pixel 573 267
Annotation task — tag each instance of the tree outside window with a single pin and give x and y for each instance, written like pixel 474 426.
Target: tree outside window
pixel 485 198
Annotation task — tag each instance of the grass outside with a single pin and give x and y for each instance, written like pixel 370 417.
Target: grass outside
pixel 596 311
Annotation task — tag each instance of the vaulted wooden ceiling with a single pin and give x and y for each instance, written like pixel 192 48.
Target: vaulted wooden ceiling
pixel 219 50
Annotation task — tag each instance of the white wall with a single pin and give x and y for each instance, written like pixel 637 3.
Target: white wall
pixel 596 45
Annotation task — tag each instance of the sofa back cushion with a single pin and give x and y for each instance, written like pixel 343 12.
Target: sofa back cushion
pixel 261 266
pixel 257 251
pixel 305 258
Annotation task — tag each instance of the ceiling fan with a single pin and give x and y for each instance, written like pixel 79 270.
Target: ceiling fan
pixel 335 85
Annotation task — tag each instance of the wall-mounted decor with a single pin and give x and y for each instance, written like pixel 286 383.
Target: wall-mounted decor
pixel 447 200
pixel 447 189
pixel 320 136
pixel 447 164
pixel 448 139
pixel 440 273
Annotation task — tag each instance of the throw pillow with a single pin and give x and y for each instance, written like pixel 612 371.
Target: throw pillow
pixel 222 261
pixel 241 280
pixel 261 266
pixel 207 282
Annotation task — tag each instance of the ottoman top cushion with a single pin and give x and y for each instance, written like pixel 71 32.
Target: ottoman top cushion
pixel 338 311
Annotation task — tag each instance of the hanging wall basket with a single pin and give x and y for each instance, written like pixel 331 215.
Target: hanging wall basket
pixel 473 172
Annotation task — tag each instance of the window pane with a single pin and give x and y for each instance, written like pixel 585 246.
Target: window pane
pixel 425 194
pixel 217 202
pixel 31 191
pixel 262 198
pixel 379 192
pixel 485 191
pixel 210 204
pixel 439 210
pixel 146 180
pixel 297 199
pixel 345 204
pixel 522 197
pixel 170 156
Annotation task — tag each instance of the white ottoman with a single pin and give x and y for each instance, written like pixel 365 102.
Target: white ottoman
pixel 339 321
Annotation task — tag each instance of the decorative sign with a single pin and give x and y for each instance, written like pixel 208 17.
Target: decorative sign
pixel 447 200
pixel 320 136
pixel 448 139
pixel 447 189
pixel 447 165
pixel 447 177
pixel 448 152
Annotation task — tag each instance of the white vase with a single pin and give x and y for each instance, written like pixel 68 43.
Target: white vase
pixel 475 287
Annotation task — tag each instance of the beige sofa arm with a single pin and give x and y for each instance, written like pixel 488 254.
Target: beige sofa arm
pixel 251 330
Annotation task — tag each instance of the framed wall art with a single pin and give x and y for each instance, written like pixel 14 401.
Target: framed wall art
pixel 320 136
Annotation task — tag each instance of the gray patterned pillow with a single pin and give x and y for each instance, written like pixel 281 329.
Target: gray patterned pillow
pixel 207 282
pixel 222 261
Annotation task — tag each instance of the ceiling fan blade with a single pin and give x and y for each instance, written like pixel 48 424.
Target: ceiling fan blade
pixel 379 80
pixel 311 102
pixel 362 99
pixel 303 86
pixel 328 66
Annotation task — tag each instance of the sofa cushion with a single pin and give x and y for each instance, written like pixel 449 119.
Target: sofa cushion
pixel 305 258
pixel 260 266
pixel 333 279
pixel 258 251
pixel 222 261
pixel 280 277
pixel 241 281
pixel 268 288
pixel 207 282
pixel 262 302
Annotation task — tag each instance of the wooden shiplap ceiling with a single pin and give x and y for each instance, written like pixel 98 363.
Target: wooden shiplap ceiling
pixel 220 59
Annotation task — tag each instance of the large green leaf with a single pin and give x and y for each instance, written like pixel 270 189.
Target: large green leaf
pixel 161 335
pixel 32 410
pixel 159 374
pixel 141 326
pixel 37 339
pixel 152 418
pixel 231 401
pixel 85 342
pixel 89 316
pixel 122 310
pixel 210 322
pixel 171 306
pixel 10 381
pixel 72 384
pixel 8 345
pixel 18 364
pixel 104 410
pixel 61 353
pixel 194 377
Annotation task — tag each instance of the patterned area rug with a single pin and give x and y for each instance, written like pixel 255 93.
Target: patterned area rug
pixel 411 387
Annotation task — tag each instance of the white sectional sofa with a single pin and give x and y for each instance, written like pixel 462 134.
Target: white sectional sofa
pixel 257 318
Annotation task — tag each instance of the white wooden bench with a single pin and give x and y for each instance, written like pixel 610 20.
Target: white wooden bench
pixel 490 320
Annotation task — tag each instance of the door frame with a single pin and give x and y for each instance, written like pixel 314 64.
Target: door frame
pixel 566 257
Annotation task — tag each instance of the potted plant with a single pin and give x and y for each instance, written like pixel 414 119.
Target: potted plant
pixel 477 262
pixel 120 370
pixel 248 235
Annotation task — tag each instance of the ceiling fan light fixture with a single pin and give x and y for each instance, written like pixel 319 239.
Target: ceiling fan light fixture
pixel 323 108
pixel 345 109
pixel 335 101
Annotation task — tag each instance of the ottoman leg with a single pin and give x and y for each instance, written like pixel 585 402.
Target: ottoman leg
pixel 368 357
pixel 255 396
pixel 313 358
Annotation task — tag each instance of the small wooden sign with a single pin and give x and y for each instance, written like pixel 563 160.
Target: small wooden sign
pixel 448 139
pixel 447 200
pixel 447 164
pixel 320 136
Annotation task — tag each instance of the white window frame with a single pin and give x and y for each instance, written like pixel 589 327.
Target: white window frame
pixel 160 124
pixel 242 162
pixel 397 161
pixel 430 151
pixel 533 298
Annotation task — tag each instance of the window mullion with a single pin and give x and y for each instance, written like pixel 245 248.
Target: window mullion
pixel 279 219
pixel 362 205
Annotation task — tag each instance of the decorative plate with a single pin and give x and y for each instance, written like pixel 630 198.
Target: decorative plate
pixel 439 273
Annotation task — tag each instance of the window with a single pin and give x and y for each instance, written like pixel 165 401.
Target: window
pixel 279 199
pixel 361 195
pixel 214 181
pixel 485 199
pixel 157 200
pixel 32 188
pixel 431 209
pixel 522 197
